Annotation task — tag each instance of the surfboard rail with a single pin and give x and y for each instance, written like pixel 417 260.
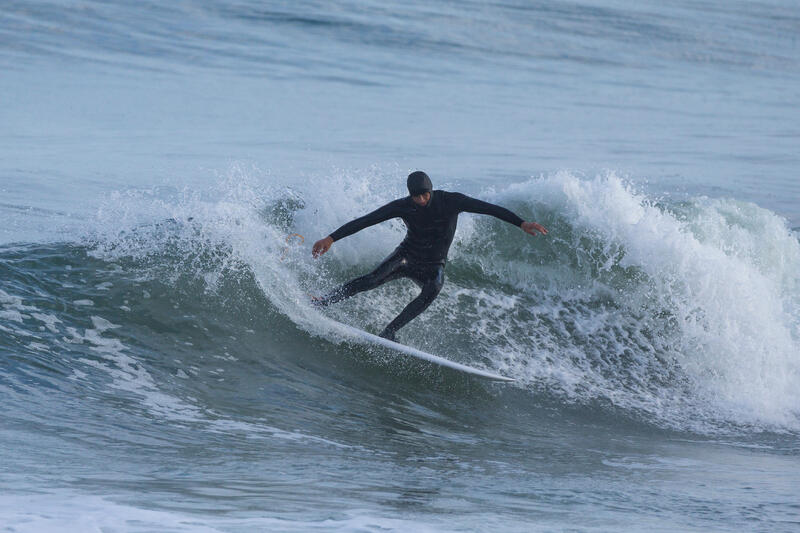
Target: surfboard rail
pixel 365 337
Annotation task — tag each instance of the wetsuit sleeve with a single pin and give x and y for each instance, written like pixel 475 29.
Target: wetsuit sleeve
pixel 390 210
pixel 473 205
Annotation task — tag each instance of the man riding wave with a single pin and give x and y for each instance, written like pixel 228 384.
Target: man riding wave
pixel 430 217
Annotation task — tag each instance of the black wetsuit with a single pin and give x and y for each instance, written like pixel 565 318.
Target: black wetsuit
pixel 423 253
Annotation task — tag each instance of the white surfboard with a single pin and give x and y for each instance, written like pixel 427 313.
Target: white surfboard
pixel 365 337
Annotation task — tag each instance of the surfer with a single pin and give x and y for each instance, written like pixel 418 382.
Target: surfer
pixel 430 217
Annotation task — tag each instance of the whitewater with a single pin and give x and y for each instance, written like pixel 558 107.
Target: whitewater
pixel 165 169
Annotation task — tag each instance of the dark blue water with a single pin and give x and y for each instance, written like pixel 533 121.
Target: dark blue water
pixel 162 370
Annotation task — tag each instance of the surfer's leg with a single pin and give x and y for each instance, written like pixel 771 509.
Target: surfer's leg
pixel 430 290
pixel 391 268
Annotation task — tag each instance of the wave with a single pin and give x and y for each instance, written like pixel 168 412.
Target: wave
pixel 680 313
pixel 231 36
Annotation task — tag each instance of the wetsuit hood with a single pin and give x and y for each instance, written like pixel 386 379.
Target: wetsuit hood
pixel 419 183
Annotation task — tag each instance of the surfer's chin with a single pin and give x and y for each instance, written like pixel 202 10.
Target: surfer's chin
pixel 422 200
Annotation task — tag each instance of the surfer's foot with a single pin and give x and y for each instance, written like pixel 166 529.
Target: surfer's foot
pixel 388 335
pixel 317 301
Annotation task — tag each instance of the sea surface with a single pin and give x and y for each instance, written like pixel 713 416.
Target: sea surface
pixel 166 166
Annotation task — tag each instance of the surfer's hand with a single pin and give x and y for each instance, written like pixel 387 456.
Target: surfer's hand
pixel 533 227
pixel 321 246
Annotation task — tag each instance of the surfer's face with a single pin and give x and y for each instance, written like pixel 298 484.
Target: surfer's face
pixel 422 199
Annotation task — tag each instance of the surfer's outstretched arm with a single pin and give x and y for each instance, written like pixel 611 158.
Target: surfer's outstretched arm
pixel 473 205
pixel 383 213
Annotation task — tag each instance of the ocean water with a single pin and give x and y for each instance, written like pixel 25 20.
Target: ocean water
pixel 161 369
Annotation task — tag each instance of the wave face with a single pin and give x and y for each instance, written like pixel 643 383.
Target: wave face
pixel 680 314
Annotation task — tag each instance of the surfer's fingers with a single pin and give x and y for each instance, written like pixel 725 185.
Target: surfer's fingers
pixel 319 248
pixel 533 227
